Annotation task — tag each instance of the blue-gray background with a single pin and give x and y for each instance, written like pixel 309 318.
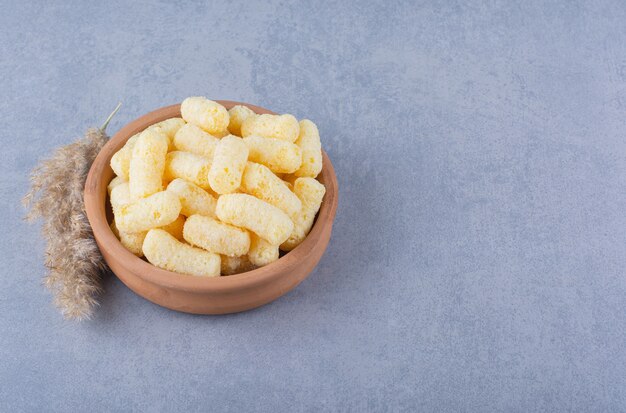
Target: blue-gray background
pixel 477 260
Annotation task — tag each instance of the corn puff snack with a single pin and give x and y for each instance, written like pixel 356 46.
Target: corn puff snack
pixel 215 236
pixel 169 127
pixel 164 251
pixel 246 211
pixel 120 162
pixel 147 164
pixel 120 196
pixel 311 193
pixel 278 155
pixel 239 187
pixel 259 181
pixel 193 199
pixel 175 228
pixel 238 114
pixel 284 127
pixel 191 138
pixel 262 252
pixel 187 166
pixel 221 134
pixel 235 265
pixel 154 211
pixel 311 146
pixel 114 182
pixel 206 114
pixel 229 162
pixel 132 241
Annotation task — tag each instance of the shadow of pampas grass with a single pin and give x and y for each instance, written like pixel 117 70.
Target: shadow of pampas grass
pixel 75 265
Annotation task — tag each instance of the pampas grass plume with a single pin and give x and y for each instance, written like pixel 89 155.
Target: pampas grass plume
pixel 75 265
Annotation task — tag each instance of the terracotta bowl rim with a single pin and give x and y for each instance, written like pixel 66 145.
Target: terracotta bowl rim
pixel 95 201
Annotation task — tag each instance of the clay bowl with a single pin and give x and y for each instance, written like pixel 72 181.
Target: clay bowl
pixel 198 295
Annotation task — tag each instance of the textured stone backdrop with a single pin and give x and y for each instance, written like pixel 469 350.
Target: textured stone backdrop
pixel 478 257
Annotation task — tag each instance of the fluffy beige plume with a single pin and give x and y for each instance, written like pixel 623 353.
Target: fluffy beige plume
pixel 75 265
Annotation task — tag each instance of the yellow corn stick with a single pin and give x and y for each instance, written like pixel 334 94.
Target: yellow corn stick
pixel 188 166
pixel 228 164
pixel 120 196
pixel 311 193
pixel 238 114
pixel 132 241
pixel 147 164
pixel 154 211
pixel 191 138
pixel 193 199
pixel 205 113
pixel 259 181
pixel 216 236
pixel 169 127
pixel 309 142
pixel 164 251
pixel 262 252
pixel 246 211
pixel 175 228
pixel 221 134
pixel 120 162
pixel 235 265
pixel 114 182
pixel 278 155
pixel 284 127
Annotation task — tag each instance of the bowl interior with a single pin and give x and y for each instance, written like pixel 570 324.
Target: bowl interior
pixel 99 215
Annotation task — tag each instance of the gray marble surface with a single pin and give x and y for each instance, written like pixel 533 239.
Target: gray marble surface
pixel 477 260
